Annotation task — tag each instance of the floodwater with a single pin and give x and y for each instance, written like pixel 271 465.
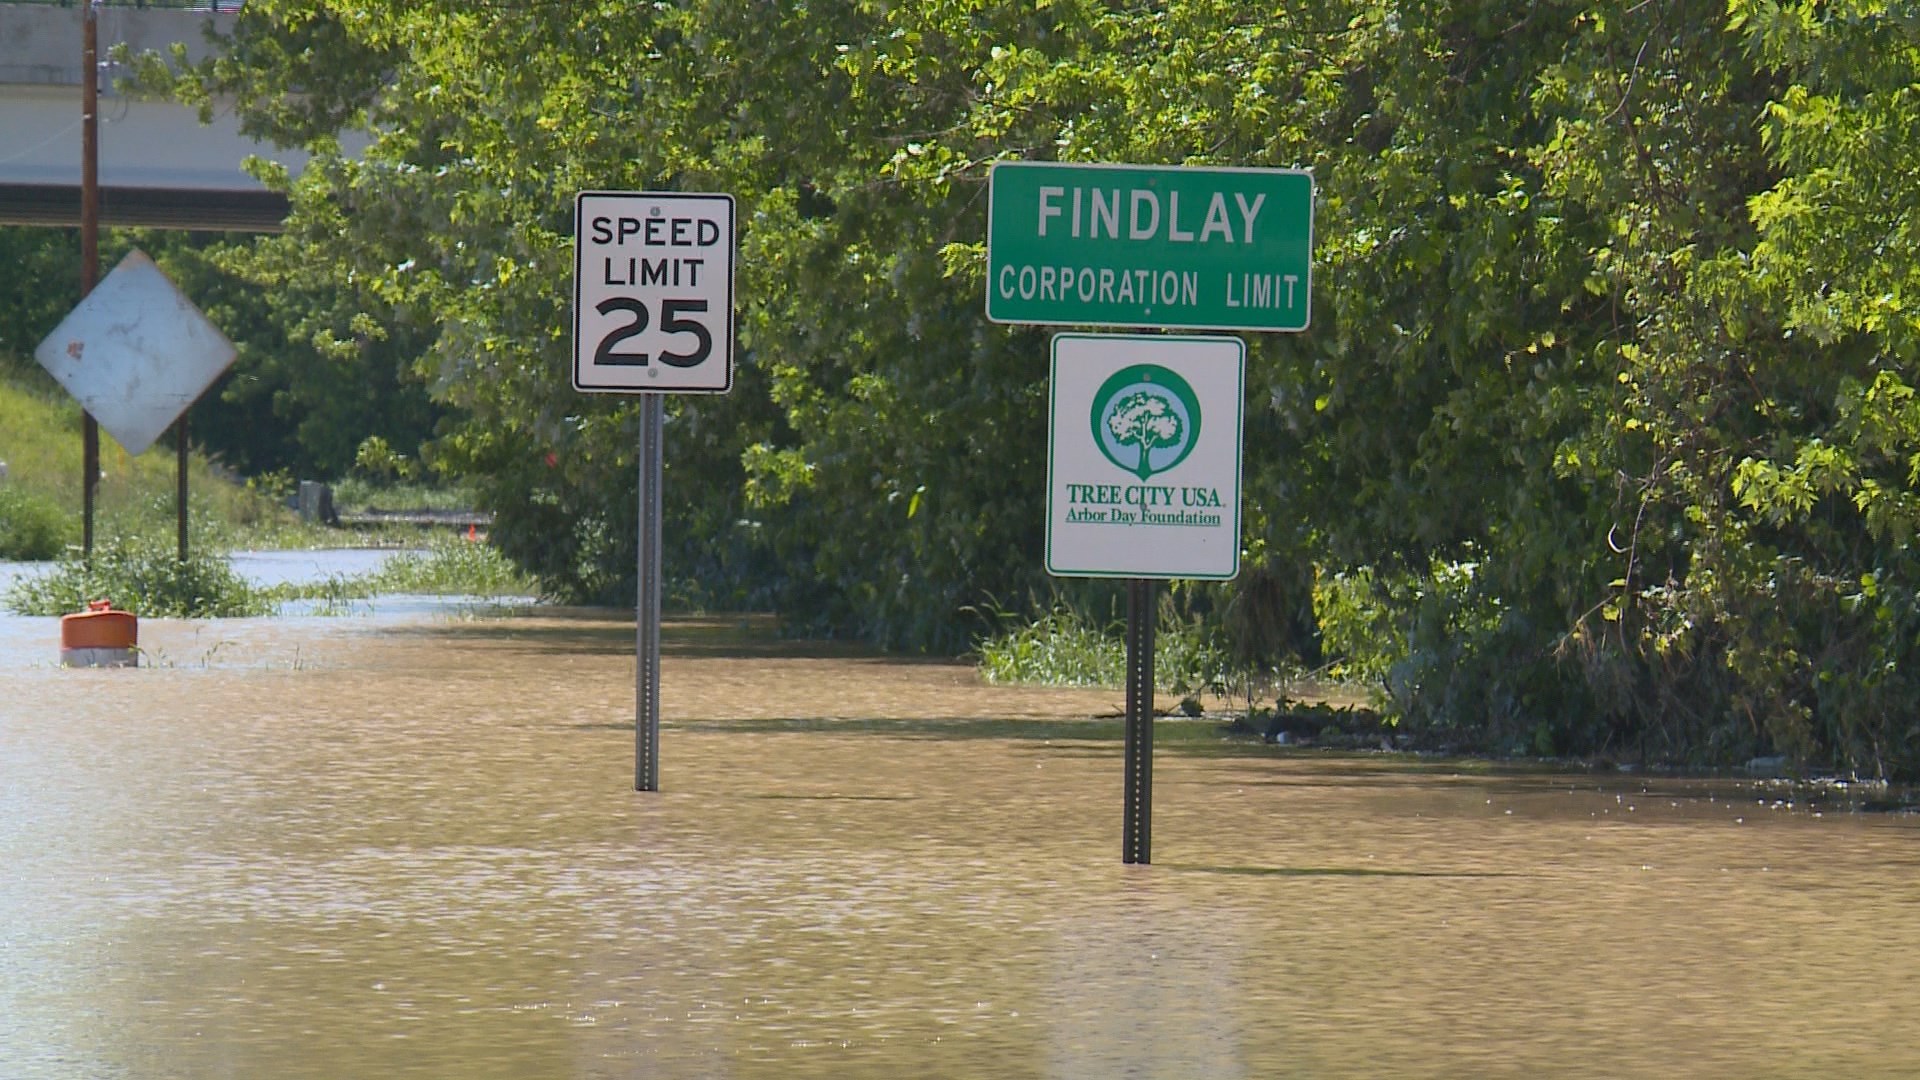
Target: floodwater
pixel 408 846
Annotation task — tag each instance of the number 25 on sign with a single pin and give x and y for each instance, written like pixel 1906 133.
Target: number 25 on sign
pixel 653 292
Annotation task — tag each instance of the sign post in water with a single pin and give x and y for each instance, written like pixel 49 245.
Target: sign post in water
pixel 1144 449
pixel 1143 483
pixel 652 315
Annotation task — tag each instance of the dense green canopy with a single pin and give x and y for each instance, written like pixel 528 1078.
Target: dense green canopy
pixel 1603 439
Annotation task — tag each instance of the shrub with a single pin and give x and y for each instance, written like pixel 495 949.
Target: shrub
pixel 143 576
pixel 1065 648
pixel 32 527
pixel 452 566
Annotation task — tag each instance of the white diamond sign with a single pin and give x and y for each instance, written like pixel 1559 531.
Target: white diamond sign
pixel 135 353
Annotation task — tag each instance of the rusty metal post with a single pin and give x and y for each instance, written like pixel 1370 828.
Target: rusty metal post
pixel 89 244
pixel 180 471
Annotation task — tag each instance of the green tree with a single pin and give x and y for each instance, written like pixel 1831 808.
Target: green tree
pixel 1602 438
pixel 832 482
pixel 39 284
pixel 317 369
pixel 1145 420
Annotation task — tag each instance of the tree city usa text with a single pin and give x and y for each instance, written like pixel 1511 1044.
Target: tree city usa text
pixel 1113 500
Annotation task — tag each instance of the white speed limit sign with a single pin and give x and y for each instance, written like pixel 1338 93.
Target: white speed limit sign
pixel 653 292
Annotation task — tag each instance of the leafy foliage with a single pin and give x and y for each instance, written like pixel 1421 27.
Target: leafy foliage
pixel 1604 439
pixel 143 576
pixel 1064 648
pixel 32 526
pixel 451 566
pixel 40 269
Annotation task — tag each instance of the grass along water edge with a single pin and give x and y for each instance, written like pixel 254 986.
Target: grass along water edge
pixel 145 576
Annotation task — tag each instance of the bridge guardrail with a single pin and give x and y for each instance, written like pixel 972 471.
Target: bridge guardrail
pixel 218 7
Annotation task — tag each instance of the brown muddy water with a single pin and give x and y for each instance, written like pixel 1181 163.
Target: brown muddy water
pixel 408 847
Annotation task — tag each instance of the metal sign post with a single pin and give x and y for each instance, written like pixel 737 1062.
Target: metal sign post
pixel 1143 483
pixel 652 315
pixel 646 742
pixel 1159 248
pixel 1136 834
pixel 180 456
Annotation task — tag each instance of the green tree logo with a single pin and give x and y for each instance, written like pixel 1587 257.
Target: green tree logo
pixel 1145 419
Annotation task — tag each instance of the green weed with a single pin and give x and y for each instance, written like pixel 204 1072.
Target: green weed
pixel 1064 648
pixel 450 566
pixel 144 576
pixel 356 493
pixel 453 566
pixel 32 526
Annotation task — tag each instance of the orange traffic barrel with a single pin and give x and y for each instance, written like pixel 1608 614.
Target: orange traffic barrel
pixel 99 637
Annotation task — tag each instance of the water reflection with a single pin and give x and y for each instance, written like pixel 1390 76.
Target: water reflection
pixel 396 846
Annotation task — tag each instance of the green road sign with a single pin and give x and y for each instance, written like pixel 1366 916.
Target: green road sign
pixel 1149 246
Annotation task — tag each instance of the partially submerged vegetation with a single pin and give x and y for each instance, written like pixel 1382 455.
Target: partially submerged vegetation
pixel 449 565
pixel 135 561
pixel 1065 648
pixel 143 575
pixel 1601 441
pixel 146 576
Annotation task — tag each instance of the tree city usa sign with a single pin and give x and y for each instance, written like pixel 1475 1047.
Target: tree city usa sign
pixel 1143 431
pixel 1149 246
pixel 1143 456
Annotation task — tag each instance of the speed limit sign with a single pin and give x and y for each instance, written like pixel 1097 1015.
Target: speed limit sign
pixel 653 292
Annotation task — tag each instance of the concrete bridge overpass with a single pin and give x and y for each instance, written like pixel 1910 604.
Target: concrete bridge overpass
pixel 158 165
